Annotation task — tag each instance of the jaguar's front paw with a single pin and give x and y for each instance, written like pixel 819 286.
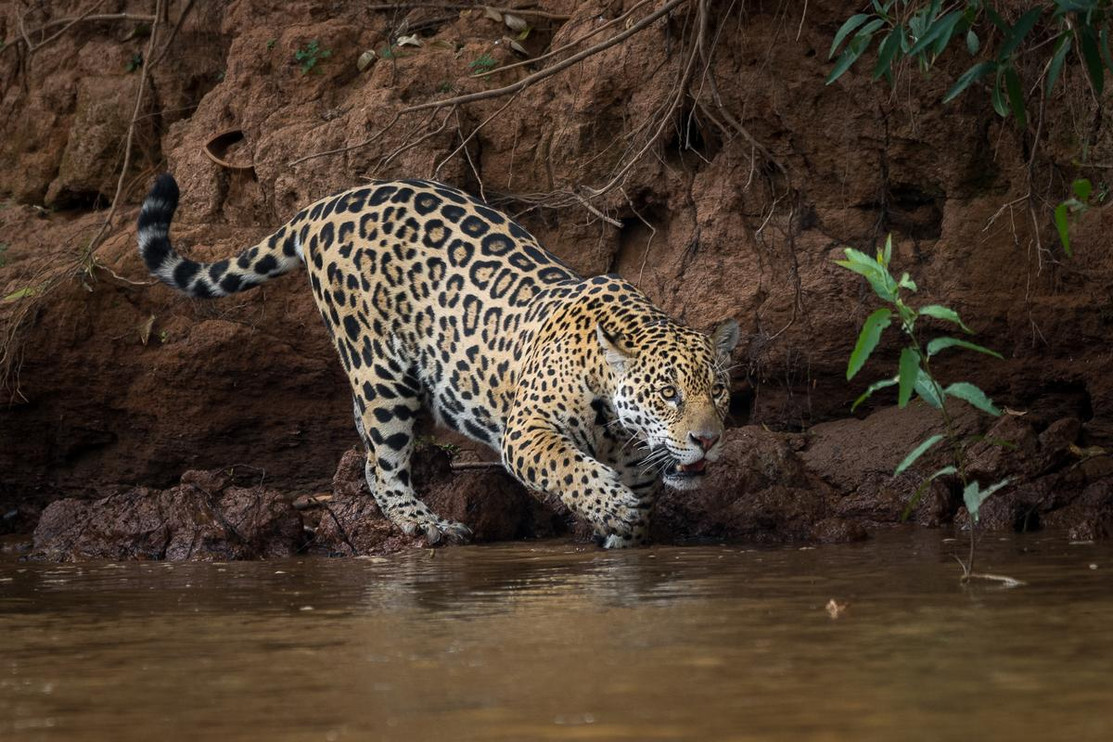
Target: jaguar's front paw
pixel 447 532
pixel 437 531
pixel 616 541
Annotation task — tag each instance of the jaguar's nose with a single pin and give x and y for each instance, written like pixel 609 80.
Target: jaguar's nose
pixel 703 439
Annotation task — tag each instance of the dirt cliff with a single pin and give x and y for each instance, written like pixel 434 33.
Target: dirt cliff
pixel 730 177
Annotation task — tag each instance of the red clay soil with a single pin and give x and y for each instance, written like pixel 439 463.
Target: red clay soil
pixel 116 386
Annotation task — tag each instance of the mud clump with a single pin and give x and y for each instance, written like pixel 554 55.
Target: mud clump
pixel 205 518
pixel 488 500
pixel 759 491
pixel 768 488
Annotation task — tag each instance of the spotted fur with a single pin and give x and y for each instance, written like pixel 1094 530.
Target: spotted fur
pixel 432 298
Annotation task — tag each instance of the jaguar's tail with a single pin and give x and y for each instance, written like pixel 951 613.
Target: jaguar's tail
pixel 272 257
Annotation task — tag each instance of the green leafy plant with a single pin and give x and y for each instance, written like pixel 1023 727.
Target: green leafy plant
pixel 1067 210
pixel 310 55
pixel 922 30
pixel 1048 37
pixel 914 377
pixel 271 43
pixel 428 440
pixel 483 64
pixel 135 62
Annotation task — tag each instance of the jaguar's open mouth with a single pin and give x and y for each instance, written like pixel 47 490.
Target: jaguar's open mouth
pixel 677 469
pixel 684 476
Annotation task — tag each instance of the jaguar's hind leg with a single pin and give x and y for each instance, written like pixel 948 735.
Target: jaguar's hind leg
pixel 386 410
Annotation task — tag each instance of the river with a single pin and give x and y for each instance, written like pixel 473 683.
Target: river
pixel 552 640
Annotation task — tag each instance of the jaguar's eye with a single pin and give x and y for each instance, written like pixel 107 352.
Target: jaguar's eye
pixel 668 393
pixel 718 390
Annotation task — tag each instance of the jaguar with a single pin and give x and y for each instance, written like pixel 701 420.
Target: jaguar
pixel 432 298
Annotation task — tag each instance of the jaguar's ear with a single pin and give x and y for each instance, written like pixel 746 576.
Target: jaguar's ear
pixel 724 337
pixel 615 347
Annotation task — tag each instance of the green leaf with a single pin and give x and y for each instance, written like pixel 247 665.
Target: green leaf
pixel 870 28
pixel 998 98
pixel 906 282
pixel 1016 96
pixel 912 501
pixel 850 26
pixel 1056 66
pixel 854 49
pixel 1082 189
pixel 882 283
pixel 20 294
pixel 887 254
pixel 916 453
pixel 994 487
pixel 1076 6
pixel 943 27
pixel 973 495
pixel 943 343
pixel 945 37
pixel 928 390
pixel 972 42
pixel 1016 34
pixel 848 58
pixel 909 372
pixel 1063 227
pixel 867 340
pixel 997 20
pixel 938 311
pixel 873 388
pixel 967 78
pixel 967 392
pixel 860 258
pixel 1092 58
pixel 886 52
pixel 1104 37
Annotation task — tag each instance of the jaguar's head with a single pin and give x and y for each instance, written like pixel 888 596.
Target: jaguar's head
pixel 672 390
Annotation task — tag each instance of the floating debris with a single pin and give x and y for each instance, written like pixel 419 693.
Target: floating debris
pixel 835 609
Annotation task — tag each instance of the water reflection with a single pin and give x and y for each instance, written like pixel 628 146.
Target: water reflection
pixel 555 641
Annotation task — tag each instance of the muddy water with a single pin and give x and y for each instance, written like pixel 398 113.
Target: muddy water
pixel 554 641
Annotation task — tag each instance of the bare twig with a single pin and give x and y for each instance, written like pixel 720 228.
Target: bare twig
pixel 467 154
pixel 66 27
pixel 474 465
pixel 678 94
pixel 173 33
pixel 460 6
pixel 99 236
pixel 737 125
pixel 1006 581
pixel 587 205
pixel 536 77
pixel 410 144
pixel 350 147
pixel 67 22
pixel 803 15
pixel 648 243
pixel 464 140
pixel 525 82
pixel 555 52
